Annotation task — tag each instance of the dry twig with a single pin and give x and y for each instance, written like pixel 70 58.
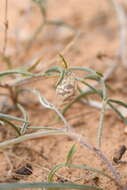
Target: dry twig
pixel 6 27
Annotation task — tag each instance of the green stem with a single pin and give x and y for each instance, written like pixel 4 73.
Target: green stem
pixel 101 123
pixel 102 114
pixel 31 136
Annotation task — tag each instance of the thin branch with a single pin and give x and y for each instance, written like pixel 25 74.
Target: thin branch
pixel 6 27
pixel 101 123
pixel 30 136
pixel 102 114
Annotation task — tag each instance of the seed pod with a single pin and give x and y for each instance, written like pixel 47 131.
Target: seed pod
pixel 66 89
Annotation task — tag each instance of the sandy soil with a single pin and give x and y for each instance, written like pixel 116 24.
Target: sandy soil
pixel 97 22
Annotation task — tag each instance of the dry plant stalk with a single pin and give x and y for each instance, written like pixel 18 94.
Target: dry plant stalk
pixel 6 27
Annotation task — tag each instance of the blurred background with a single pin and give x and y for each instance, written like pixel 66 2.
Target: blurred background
pixel 46 27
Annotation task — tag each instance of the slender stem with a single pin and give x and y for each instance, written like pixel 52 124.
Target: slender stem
pixel 103 85
pixel 48 105
pixel 67 125
pixel 102 114
pixel 30 136
pixel 101 124
pixel 6 27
